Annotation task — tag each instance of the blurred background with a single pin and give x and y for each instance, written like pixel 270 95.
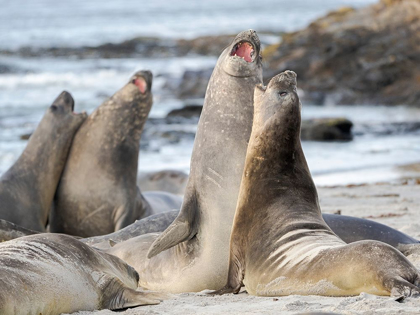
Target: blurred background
pixel 357 63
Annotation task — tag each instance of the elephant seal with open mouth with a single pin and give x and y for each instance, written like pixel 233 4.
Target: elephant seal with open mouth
pixel 192 253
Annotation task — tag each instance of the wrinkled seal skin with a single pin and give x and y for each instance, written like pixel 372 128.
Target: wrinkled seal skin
pixel 280 245
pixel 97 193
pixel 54 274
pixel 27 189
pixel 192 254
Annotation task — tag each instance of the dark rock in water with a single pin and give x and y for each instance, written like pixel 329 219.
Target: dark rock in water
pixel 194 83
pixel 365 56
pixel 25 136
pixel 136 47
pixel 171 181
pixel 384 129
pixel 327 129
pixel 5 69
pixel 188 111
pixel 204 45
pixel 173 136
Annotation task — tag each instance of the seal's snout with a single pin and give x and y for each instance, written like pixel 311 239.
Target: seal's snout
pixel 143 80
pixel 65 100
pixel 286 79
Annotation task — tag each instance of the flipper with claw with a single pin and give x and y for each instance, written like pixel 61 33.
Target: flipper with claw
pixel 182 229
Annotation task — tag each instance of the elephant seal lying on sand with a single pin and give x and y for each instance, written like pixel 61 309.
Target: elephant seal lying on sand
pixel 55 273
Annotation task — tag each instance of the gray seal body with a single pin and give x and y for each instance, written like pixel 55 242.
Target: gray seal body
pixel 349 229
pixel 27 189
pixel 54 274
pixel 97 193
pixel 192 253
pixel 280 245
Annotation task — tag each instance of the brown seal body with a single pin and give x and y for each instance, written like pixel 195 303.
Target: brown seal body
pixel 192 253
pixel 97 193
pixel 54 274
pixel 280 244
pixel 28 187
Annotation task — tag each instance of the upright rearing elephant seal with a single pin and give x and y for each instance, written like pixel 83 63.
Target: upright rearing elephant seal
pixel 280 244
pixel 54 274
pixel 97 193
pixel 28 187
pixel 199 235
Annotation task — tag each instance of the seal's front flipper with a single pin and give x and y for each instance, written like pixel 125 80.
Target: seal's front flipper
pixel 10 231
pixel 402 288
pixel 236 268
pixel 182 229
pixel 116 295
pixel 225 290
pixel 132 298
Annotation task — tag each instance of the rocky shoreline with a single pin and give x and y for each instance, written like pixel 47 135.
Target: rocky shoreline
pixel 364 56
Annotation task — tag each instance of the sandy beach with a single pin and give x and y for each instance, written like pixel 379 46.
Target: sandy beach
pixel 397 205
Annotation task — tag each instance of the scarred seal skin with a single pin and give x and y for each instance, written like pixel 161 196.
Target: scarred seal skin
pixel 54 274
pixel 280 245
pixel 192 253
pixel 97 193
pixel 28 187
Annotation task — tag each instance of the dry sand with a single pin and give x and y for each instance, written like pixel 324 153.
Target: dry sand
pixel 395 205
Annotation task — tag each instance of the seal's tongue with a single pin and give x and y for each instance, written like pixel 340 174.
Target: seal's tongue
pixel 244 50
pixel 141 84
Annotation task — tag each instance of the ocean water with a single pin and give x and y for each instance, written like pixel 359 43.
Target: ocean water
pixel 33 83
pixel 46 23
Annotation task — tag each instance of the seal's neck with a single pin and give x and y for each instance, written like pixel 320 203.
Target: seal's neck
pixel 275 164
pixel 123 115
pixel 41 163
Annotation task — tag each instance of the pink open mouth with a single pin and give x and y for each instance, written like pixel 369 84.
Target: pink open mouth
pixel 141 84
pixel 244 50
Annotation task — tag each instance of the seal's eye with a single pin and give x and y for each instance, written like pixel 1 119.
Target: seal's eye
pixel 283 93
pixel 54 107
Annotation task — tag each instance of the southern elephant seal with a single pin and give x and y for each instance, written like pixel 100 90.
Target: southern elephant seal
pixel 280 245
pixel 97 193
pixel 55 273
pixel 349 229
pixel 192 253
pixel 27 189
